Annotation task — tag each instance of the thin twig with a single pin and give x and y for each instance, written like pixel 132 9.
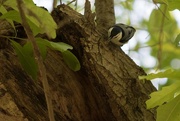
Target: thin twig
pixel 38 58
pixel 162 11
pixel 54 4
pixel 8 37
pixel 76 5
pixel 71 2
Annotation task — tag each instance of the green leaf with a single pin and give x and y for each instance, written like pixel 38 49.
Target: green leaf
pixel 161 1
pixel 12 15
pixel 71 60
pixel 60 46
pixel 42 48
pixel 3 11
pixel 166 94
pixel 26 59
pixel 174 4
pixel 161 19
pixel 43 44
pixel 155 25
pixel 41 18
pixel 171 49
pixel 35 29
pixel 11 4
pixel 172 74
pixel 169 111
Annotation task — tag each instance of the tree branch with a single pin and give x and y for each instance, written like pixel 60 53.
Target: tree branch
pixel 108 68
pixel 38 58
pixel 105 16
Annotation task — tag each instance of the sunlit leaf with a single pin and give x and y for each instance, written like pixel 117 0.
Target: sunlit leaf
pixel 60 46
pixel 69 58
pixel 11 3
pixel 166 94
pixel 42 20
pixel 160 22
pixel 174 4
pixel 172 74
pixel 161 1
pixel 169 111
pixel 26 59
pixel 3 11
pixel 12 15
pixel 171 4
pixel 171 49
pixel 15 16
pixel 127 4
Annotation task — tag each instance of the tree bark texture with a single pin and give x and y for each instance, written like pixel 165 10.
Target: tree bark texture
pixel 105 16
pixel 106 88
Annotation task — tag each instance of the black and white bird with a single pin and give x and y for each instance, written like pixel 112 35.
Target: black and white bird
pixel 120 34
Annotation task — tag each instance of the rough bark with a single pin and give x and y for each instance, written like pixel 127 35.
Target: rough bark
pixel 105 16
pixel 105 89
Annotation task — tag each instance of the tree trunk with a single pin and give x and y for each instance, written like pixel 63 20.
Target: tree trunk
pixel 106 88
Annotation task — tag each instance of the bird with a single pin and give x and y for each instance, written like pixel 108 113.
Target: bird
pixel 120 34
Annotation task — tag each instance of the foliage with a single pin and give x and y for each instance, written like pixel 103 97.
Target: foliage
pixel 165 37
pixel 169 73
pixel 167 40
pixel 170 111
pixel 26 59
pixel 168 99
pixel 35 17
pixel 172 4
pixel 25 55
pixel 164 42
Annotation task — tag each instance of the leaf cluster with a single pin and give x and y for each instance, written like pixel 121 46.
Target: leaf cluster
pixel 168 99
pixel 165 38
pixel 40 22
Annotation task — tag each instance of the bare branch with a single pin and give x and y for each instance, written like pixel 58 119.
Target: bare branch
pixel 88 13
pixel 105 16
pixel 54 3
pixel 38 58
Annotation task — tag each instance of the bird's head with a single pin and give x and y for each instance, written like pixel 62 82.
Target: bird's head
pixel 120 34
